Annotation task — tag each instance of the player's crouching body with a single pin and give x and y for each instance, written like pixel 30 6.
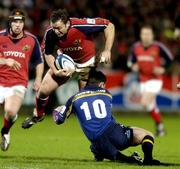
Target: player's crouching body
pixel 73 37
pixel 92 106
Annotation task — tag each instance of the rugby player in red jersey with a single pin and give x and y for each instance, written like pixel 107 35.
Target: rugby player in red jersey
pixel 17 49
pixel 149 58
pixel 74 37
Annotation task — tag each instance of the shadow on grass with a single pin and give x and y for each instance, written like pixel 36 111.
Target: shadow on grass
pixel 46 160
pixel 60 160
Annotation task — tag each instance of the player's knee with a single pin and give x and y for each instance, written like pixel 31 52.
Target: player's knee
pixel 139 134
pixel 10 112
pixel 144 103
pixel 43 92
pixel 11 115
pixel 148 139
pixel 147 134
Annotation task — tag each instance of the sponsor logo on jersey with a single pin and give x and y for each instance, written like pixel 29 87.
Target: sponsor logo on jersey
pixel 77 46
pixel 77 42
pixel 154 53
pixel 147 58
pixel 70 49
pixel 26 47
pixel 14 53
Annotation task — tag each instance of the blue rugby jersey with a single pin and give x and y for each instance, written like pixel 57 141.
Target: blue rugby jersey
pixel 92 106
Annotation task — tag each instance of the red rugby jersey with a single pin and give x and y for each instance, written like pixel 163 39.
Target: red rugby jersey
pixel 148 58
pixel 78 42
pixel 22 50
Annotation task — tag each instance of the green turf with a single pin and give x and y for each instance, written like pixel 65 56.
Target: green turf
pixel 49 146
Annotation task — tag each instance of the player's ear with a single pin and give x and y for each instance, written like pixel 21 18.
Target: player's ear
pixel 68 24
pixel 102 84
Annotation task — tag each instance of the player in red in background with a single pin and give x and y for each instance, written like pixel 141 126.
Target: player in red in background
pixel 177 33
pixel 149 58
pixel 74 37
pixel 17 49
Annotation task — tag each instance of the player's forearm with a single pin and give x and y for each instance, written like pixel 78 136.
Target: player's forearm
pixel 109 36
pixel 50 61
pixel 39 72
pixel 2 61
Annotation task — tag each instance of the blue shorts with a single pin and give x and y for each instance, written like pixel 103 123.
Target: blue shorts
pixel 115 138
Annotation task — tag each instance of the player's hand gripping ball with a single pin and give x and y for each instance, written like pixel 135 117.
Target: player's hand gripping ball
pixel 64 61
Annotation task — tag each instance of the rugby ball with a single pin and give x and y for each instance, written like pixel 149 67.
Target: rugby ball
pixel 64 61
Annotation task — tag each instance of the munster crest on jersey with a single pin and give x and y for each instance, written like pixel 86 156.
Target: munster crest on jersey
pixel 154 53
pixel 77 42
pixel 26 47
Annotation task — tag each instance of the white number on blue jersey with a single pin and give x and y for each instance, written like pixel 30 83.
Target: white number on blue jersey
pixel 99 109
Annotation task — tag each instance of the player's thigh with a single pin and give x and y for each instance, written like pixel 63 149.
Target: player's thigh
pixel 121 136
pixel 103 146
pixel 12 104
pixel 149 90
pixel 50 83
pixel 139 134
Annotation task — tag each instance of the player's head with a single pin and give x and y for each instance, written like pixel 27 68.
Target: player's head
pixel 146 35
pixel 16 21
pixel 96 78
pixel 60 22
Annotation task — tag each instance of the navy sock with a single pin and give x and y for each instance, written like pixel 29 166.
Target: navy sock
pixel 147 147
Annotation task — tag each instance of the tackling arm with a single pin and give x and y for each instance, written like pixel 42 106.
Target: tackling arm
pixel 59 114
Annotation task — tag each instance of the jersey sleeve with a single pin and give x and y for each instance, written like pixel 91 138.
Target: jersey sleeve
pixel 165 54
pixel 177 21
pixel 49 42
pixel 132 57
pixel 89 25
pixel 60 113
pixel 36 57
pixel 69 106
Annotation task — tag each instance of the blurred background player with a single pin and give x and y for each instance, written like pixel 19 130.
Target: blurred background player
pixel 177 26
pixel 17 49
pixel 177 33
pixel 92 106
pixel 73 37
pixel 149 58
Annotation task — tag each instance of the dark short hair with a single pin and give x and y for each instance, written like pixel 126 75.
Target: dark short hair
pixel 147 26
pixel 60 14
pixel 17 14
pixel 95 77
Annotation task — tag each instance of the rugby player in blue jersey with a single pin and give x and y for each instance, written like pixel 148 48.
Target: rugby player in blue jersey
pixel 92 106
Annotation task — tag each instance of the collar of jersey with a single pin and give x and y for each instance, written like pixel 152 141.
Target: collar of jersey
pixel 95 87
pixel 7 33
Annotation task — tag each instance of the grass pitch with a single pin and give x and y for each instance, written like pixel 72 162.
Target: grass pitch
pixel 49 146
